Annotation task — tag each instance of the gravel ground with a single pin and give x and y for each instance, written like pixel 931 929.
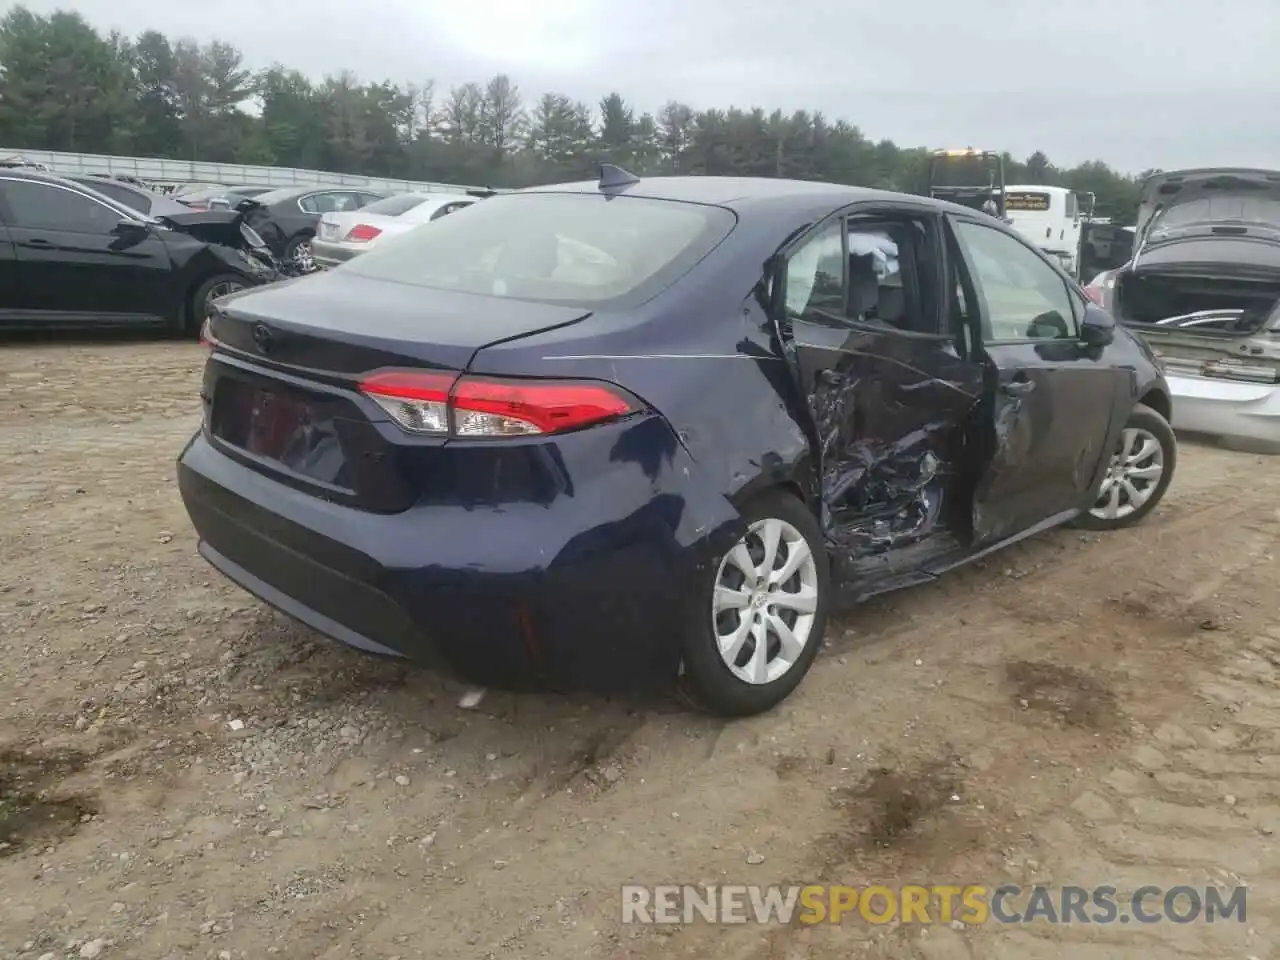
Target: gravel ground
pixel 184 773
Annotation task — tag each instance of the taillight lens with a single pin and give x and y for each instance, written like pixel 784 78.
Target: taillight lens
pixel 206 334
pixel 1098 288
pixel 418 402
pixel 362 233
pixel 443 404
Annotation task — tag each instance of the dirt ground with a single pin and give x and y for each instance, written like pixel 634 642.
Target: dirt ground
pixel 184 773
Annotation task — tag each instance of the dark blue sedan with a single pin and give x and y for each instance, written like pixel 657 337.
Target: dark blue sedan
pixel 600 434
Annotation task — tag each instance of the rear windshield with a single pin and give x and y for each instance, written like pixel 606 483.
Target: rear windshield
pixel 575 249
pixel 394 206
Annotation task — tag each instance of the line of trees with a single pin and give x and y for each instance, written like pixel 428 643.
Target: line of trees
pixel 65 86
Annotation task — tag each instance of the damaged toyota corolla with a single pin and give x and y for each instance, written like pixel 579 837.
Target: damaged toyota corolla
pixel 1203 288
pixel 596 434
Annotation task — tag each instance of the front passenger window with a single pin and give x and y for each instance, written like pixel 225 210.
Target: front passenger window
pixel 40 206
pixel 1025 298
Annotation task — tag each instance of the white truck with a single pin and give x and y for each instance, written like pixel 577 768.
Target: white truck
pixel 1049 217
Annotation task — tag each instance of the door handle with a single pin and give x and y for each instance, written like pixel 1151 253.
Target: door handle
pixel 1018 388
pixel 40 242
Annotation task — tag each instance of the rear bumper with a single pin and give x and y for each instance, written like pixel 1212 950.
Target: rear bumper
pixel 1245 411
pixel 331 254
pixel 588 592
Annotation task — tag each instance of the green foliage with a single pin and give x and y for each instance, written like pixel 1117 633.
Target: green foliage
pixel 64 86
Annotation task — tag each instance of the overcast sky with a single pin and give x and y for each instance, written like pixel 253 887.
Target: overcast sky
pixel 1138 83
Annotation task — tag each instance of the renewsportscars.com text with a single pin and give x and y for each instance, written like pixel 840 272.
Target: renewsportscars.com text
pixel 944 903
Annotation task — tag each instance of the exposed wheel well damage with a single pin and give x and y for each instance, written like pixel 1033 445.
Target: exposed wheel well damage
pixel 793 488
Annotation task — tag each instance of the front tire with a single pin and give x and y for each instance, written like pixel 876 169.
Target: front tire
pixel 1138 474
pixel 219 285
pixel 760 615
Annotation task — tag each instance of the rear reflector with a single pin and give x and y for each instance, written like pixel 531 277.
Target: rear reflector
pixel 443 404
pixel 362 233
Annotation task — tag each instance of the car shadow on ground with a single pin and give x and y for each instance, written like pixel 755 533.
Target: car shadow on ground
pixel 110 336
pixel 279 675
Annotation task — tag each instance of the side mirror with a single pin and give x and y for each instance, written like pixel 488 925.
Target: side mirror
pixel 1098 328
pixel 132 228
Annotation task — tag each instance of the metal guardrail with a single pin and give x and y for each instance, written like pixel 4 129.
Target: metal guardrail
pixel 173 173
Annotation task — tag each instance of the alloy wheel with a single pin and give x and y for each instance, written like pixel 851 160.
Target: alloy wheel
pixel 302 257
pixel 221 289
pixel 1132 476
pixel 765 602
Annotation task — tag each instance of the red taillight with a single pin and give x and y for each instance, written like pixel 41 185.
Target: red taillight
pixel 362 233
pixel 440 404
pixel 206 334
pixel 1094 294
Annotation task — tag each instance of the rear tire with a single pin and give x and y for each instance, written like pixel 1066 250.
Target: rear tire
pixel 756 622
pixel 219 285
pixel 1142 464
pixel 298 251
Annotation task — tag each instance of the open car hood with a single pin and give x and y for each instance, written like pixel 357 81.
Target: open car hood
pixel 1165 190
pixel 211 226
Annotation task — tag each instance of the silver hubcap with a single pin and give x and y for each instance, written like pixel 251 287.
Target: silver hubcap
pixel 302 254
pixel 1132 475
pixel 765 599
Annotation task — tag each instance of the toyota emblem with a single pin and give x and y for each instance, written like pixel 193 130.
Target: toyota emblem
pixel 262 337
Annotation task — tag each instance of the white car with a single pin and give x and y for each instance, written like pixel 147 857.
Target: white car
pixel 1203 289
pixel 348 234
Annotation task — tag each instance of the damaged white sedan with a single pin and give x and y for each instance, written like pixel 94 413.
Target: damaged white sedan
pixel 1203 288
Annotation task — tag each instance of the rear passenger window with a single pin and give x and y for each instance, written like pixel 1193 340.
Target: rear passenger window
pixel 883 273
pixel 815 276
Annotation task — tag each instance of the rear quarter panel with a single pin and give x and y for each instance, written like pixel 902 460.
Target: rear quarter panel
pixel 704 355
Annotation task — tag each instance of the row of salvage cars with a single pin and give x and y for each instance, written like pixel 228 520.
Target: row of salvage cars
pixel 91 251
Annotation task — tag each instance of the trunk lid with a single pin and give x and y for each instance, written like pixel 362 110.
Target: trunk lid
pixel 281 388
pixel 343 325
pixel 209 226
pixel 1228 194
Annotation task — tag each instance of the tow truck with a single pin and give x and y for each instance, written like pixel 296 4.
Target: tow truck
pixel 970 177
